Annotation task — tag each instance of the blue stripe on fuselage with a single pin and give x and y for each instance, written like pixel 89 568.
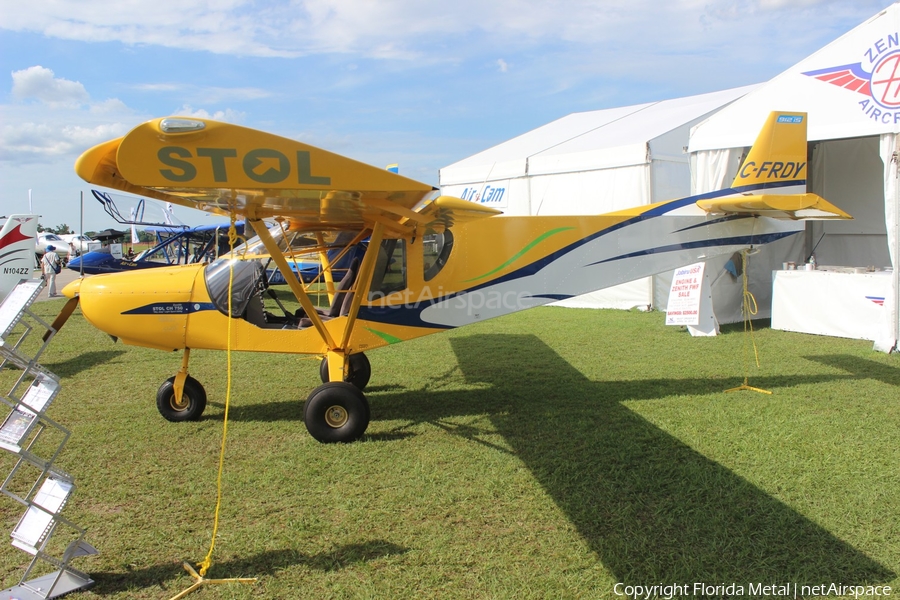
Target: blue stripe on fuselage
pixel 408 315
pixel 171 308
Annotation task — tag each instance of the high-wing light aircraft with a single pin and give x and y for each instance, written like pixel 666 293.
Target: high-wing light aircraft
pixel 16 251
pixel 431 262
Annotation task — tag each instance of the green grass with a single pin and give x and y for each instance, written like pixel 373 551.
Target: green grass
pixel 549 454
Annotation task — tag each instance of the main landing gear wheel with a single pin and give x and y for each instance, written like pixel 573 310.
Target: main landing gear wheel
pixel 336 412
pixel 192 405
pixel 357 374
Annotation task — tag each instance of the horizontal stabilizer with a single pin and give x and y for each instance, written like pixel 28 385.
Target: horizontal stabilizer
pixel 776 206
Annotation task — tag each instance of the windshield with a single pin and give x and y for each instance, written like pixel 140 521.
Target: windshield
pixel 436 250
pixel 251 260
pixel 248 273
pixel 247 279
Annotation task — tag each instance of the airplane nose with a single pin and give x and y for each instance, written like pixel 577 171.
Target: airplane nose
pixel 72 289
pixel 147 308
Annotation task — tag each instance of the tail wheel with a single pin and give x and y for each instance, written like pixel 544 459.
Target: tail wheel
pixel 358 372
pixel 192 405
pixel 336 412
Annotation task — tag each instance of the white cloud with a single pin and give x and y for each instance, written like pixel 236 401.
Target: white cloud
pixel 502 65
pixel 227 115
pixel 31 142
pixel 39 83
pixel 109 107
pixel 30 135
pixel 40 136
pixel 207 94
pixel 403 29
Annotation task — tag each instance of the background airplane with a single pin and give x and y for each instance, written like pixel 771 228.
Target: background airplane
pixel 174 246
pixel 431 262
pixel 17 249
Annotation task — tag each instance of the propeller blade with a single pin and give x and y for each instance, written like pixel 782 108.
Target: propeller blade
pixel 62 317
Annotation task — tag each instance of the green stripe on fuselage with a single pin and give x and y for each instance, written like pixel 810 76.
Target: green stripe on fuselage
pixel 385 336
pixel 521 252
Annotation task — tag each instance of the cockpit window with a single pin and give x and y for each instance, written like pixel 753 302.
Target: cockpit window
pixel 249 273
pixel 436 248
pixel 252 266
pixel 390 269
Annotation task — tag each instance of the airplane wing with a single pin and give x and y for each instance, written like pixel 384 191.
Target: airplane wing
pixel 445 211
pixel 797 206
pixel 221 167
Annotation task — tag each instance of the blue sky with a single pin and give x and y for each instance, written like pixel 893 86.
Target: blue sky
pixel 424 84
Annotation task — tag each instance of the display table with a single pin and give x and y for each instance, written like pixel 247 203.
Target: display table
pixel 830 302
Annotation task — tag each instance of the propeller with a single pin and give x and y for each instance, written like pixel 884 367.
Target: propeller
pixel 62 317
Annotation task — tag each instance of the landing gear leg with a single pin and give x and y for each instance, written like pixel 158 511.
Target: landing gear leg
pixel 358 371
pixel 181 398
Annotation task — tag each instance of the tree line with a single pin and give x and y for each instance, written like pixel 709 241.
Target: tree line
pixel 64 229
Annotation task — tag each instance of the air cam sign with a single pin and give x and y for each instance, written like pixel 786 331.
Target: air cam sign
pixel 489 194
pixel 262 165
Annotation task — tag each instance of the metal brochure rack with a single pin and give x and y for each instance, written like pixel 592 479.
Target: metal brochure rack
pixel 30 435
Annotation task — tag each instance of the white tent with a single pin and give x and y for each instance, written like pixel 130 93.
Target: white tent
pixel 590 163
pixel 851 91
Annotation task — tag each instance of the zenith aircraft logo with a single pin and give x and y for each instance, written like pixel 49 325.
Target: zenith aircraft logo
pixel 877 77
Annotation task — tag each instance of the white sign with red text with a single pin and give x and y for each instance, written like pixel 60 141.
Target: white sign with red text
pixel 684 296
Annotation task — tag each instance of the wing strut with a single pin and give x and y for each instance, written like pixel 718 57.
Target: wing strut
pixel 278 257
pixel 338 357
pixel 326 266
pixel 363 280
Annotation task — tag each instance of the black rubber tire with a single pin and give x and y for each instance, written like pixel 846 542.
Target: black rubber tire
pixel 193 400
pixel 358 374
pixel 336 412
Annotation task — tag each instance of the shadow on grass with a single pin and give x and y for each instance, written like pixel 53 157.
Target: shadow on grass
pixel 860 368
pixel 170 576
pixel 739 327
pixel 653 509
pixel 82 362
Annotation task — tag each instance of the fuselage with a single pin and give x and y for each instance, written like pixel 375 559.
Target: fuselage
pixel 491 267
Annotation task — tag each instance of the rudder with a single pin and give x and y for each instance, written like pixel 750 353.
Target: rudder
pixel 16 251
pixel 778 157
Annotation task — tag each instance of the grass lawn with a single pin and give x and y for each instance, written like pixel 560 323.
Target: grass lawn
pixel 548 454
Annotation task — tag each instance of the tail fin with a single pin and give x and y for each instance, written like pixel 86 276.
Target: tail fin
pixel 778 156
pixel 772 179
pixel 16 251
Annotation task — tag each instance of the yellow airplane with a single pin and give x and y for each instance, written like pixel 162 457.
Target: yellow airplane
pixel 430 262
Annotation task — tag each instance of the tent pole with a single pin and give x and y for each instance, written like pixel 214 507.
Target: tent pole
pixel 895 255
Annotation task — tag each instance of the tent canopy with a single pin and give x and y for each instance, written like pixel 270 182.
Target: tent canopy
pixel 848 88
pixel 108 234
pixel 598 139
pixel 591 163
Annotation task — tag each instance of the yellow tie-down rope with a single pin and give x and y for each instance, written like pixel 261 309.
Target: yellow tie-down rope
pixel 749 309
pixel 206 563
